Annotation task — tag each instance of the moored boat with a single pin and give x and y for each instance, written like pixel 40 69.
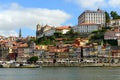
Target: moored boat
pixel 29 66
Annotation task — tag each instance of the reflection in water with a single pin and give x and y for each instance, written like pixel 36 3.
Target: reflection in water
pixel 60 73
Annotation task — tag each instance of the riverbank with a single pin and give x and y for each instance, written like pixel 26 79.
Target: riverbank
pixel 82 65
pixel 60 65
pixel 19 65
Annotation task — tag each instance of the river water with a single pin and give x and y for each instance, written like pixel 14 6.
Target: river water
pixel 61 73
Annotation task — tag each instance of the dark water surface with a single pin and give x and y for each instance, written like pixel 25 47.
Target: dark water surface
pixel 61 73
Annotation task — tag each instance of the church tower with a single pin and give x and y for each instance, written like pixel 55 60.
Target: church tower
pixel 39 27
pixel 20 33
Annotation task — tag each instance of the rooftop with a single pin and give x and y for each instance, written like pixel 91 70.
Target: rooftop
pixel 98 11
pixel 63 27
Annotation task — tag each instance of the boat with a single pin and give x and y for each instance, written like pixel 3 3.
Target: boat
pixel 29 66
pixel 14 65
pixel 5 65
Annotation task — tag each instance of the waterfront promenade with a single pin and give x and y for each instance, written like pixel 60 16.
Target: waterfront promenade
pixel 63 65
pixel 82 65
pixel 86 62
pixel 81 62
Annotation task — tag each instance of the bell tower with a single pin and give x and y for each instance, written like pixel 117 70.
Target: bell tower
pixel 20 33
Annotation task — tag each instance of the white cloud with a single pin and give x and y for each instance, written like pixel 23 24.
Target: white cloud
pixel 8 33
pixel 94 4
pixel 91 4
pixel 14 16
pixel 114 3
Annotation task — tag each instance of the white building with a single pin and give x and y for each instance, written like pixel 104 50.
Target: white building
pixel 44 31
pixel 49 32
pixel 115 22
pixel 97 17
pixel 63 29
pixel 86 28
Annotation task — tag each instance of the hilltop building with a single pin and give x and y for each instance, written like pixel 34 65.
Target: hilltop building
pixel 44 31
pixel 86 27
pixel 50 30
pixel 88 16
pixel 90 21
pixel 63 29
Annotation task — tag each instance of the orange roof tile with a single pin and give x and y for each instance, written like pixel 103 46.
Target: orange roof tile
pixel 23 45
pixel 63 27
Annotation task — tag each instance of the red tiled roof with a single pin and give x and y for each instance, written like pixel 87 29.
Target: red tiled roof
pixel 64 49
pixel 23 45
pixel 63 27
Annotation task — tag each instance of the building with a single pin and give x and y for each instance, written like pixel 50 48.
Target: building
pixel 63 29
pixel 86 27
pixel 24 52
pixel 110 35
pixel 88 16
pixel 115 22
pixel 4 52
pixel 115 51
pixel 12 38
pixel 2 38
pixel 44 31
pixel 90 21
pixel 49 32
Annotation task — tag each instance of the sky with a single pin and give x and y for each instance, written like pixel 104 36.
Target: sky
pixel 26 14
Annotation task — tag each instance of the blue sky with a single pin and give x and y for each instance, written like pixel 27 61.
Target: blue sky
pixel 26 14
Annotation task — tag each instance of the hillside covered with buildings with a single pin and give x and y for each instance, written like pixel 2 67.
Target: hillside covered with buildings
pixel 95 35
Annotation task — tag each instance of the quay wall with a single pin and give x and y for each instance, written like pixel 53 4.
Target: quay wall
pixel 82 65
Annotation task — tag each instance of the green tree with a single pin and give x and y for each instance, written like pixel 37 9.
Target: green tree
pixel 33 59
pixel 58 34
pixel 70 32
pixel 107 17
pixel 114 15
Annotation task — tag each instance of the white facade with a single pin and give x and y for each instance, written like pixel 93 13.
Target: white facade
pixel 88 16
pixel 44 31
pixel 47 33
pixel 86 28
pixel 75 28
pixel 115 22
pixel 64 31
